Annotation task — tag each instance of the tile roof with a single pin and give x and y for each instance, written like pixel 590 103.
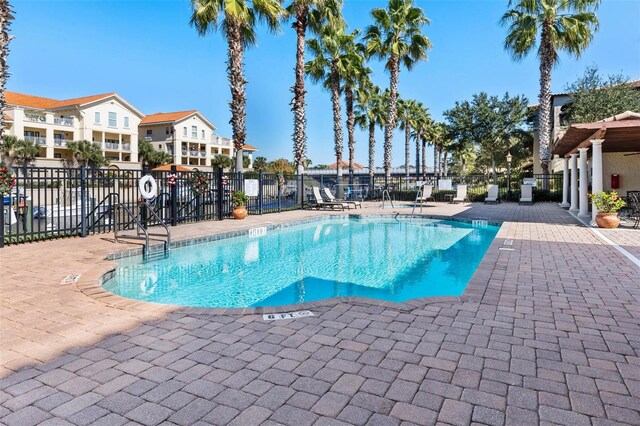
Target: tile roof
pixel 345 165
pixel 249 148
pixel 165 117
pixel 21 99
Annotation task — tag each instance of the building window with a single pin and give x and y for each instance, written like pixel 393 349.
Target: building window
pixel 126 122
pixel 96 118
pixel 184 131
pixel 113 122
pixel 149 133
pixel 194 131
pixel 166 130
pixel 203 132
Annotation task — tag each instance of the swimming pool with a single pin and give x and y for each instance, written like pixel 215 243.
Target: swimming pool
pixel 375 257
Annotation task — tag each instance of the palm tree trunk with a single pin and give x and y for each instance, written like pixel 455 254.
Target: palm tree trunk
pixel 237 84
pixel 351 124
pixel 435 160
pixel 493 170
pixel 418 137
pixel 298 102
pixel 407 148
pixel 424 160
pixel 445 166
pixel 544 111
pixel 337 124
pixel 372 151
pixel 391 117
pixel 6 16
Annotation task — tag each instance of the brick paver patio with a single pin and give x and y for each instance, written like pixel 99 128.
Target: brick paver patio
pixel 554 338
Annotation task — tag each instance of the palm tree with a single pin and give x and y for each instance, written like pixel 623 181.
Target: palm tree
pixel 7 149
pixel 421 121
pixel 308 14
pixel 6 16
pixel 237 20
pixel 25 151
pixel 564 25
pixel 434 134
pixel 370 112
pixel 397 38
pixel 87 154
pixel 221 160
pixel 330 63
pixel 408 114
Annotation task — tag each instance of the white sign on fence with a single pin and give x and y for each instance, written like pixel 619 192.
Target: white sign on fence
pixel 251 187
pixel 530 181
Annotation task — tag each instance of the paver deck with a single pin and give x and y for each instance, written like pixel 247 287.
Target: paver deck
pixel 554 338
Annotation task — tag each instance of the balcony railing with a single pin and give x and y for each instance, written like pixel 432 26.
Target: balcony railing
pixel 59 142
pixel 35 118
pixel 184 152
pixel 63 121
pixel 203 154
pixel 126 147
pixel 111 145
pixel 194 153
pixel 38 140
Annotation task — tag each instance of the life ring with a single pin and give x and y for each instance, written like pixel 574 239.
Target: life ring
pixel 148 194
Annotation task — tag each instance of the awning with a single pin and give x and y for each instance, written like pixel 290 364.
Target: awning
pixel 167 168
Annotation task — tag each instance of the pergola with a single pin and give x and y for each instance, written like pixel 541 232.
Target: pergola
pixel 620 133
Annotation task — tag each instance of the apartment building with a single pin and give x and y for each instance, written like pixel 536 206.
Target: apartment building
pixel 106 119
pixel 115 126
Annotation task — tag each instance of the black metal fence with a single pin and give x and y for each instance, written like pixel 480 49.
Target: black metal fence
pixel 60 202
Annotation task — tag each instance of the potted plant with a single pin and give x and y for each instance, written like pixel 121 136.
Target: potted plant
pixel 239 200
pixel 608 204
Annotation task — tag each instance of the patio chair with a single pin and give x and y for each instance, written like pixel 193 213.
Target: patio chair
pixel 425 194
pixel 634 206
pixel 492 194
pixel 320 203
pixel 461 194
pixel 526 194
pixel 333 199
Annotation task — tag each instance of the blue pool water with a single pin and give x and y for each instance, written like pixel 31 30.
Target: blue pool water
pixel 380 258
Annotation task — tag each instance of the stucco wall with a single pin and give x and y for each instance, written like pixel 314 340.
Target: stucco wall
pixel 628 167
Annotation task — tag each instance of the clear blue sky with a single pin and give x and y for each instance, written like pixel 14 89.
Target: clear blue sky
pixel 147 52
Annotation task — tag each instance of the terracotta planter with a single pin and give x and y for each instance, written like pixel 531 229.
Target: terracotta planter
pixel 607 220
pixel 239 212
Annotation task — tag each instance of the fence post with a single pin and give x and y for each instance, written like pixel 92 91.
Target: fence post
pixel 260 192
pixel 279 196
pixel 83 201
pixel 174 197
pixel 220 197
pixel 301 194
pixel 2 223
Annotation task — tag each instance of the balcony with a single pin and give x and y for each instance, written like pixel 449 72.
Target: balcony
pixel 148 138
pixel 170 151
pixel 194 153
pixel 63 121
pixel 59 142
pixel 126 147
pixel 38 140
pixel 184 152
pixel 203 154
pixel 111 145
pixel 35 118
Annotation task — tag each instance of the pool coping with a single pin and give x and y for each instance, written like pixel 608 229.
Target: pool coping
pixel 91 282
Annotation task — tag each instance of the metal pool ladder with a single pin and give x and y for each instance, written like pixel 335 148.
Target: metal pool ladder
pixel 141 229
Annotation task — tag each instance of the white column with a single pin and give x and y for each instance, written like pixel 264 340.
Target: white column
pixel 596 175
pixel 574 183
pixel 565 184
pixel 584 183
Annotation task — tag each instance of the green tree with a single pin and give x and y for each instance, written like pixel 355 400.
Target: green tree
pixel 87 154
pixel 221 160
pixel 280 167
pixel 260 164
pixel 594 97
pixel 6 16
pixel 7 149
pixel 562 25
pixel 308 14
pixel 151 157
pixel 25 151
pixel 409 112
pixel 421 123
pixel 237 19
pixel 246 161
pixel 495 125
pixel 396 37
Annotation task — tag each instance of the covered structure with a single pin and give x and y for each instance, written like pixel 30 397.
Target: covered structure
pixel 345 165
pixel 599 156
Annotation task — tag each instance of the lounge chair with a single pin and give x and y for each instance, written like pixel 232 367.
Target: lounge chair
pixel 492 194
pixel 333 199
pixel 526 194
pixel 461 194
pixel 320 203
pixel 426 194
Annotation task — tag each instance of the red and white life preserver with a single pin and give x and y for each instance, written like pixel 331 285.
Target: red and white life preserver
pixel 148 193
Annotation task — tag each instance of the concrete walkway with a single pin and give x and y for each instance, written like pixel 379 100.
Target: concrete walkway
pixel 555 338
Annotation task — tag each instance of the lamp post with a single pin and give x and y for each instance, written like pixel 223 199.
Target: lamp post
pixel 509 158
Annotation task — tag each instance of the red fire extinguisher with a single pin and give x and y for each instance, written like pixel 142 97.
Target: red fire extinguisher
pixel 615 181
